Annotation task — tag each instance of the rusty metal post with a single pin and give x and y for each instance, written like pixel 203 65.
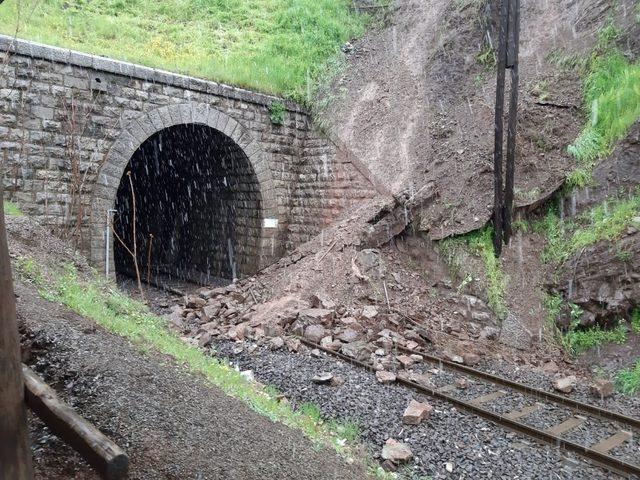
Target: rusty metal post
pixel 15 454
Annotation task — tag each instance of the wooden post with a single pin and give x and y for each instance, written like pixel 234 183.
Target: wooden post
pixel 15 454
pixel 499 126
pixel 104 455
pixel 512 63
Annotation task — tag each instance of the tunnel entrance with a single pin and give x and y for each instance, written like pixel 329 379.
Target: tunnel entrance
pixel 197 194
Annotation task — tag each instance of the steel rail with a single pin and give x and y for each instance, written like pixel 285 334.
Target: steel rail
pixel 602 459
pixel 552 397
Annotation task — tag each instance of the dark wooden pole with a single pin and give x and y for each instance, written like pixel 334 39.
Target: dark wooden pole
pixel 499 126
pixel 15 454
pixel 512 63
pixel 104 455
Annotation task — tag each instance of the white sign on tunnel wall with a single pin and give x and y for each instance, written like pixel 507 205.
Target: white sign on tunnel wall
pixel 270 223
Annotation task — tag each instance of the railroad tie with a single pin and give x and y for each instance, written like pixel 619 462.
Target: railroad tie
pixel 567 425
pixel 523 412
pixel 613 441
pixel 487 398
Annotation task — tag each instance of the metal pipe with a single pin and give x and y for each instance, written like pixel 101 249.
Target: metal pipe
pixel 107 242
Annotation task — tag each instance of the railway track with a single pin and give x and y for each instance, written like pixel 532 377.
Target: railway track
pixel 573 417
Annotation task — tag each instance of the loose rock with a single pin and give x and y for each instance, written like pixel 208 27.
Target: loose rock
pixel 416 412
pixel 565 384
pixel 322 378
pixel 602 388
pixel 385 377
pixel 396 452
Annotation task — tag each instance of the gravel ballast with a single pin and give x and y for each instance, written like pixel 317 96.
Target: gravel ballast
pixel 476 448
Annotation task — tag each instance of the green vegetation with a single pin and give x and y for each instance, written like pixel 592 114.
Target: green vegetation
pixel 276 46
pixel 276 113
pixel 635 321
pixel 606 221
pixel 100 301
pixel 479 244
pixel 577 341
pixel 612 98
pixel 628 379
pixel 11 209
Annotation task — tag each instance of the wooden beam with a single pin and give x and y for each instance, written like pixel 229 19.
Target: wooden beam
pixel 15 454
pixel 498 192
pixel 109 460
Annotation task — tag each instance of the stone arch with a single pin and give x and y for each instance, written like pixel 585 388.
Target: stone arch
pixel 142 128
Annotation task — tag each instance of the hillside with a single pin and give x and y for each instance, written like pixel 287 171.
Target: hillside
pixel 275 46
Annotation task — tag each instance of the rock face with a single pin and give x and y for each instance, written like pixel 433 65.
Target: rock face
pixel 416 412
pixel 397 452
pixel 604 279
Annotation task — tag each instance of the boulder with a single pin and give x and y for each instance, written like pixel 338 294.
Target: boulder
pixel 322 378
pixel 470 358
pixel 461 383
pixel 565 384
pixel 397 452
pixel 602 388
pixel 405 360
pixel 385 377
pixel 276 343
pixel 315 333
pixel 416 412
pixel 359 350
pixel 319 300
pixel 194 301
pixel 550 367
pixel 314 316
pixel 349 335
pixel 369 312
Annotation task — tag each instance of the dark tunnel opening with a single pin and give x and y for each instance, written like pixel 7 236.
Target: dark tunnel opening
pixel 197 194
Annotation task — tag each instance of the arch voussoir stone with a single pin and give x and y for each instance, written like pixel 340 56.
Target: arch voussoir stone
pixel 141 128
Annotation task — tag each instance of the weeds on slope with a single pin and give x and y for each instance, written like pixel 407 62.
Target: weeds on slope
pixel 612 99
pixel 479 244
pixel 275 46
pixel 606 221
pixel 101 302
pixel 628 379
pixel 11 209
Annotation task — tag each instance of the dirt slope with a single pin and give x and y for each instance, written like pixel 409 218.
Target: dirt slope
pixel 172 424
pixel 418 102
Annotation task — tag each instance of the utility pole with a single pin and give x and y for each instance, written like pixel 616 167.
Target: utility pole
pixel 507 58
pixel 15 454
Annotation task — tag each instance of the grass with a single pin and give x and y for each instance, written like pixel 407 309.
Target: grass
pixel 479 244
pixel 607 221
pixel 11 209
pixel 628 379
pixel 577 341
pixel 275 46
pixel 635 321
pixel 612 100
pixel 102 302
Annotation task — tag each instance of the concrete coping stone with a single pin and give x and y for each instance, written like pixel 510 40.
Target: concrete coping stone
pixel 118 67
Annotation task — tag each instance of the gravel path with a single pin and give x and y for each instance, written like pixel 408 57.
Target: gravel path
pixel 475 448
pixel 172 424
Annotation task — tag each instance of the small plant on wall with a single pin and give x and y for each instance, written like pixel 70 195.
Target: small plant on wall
pixel 276 113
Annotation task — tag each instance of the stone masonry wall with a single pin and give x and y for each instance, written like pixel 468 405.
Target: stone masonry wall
pixel 69 123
